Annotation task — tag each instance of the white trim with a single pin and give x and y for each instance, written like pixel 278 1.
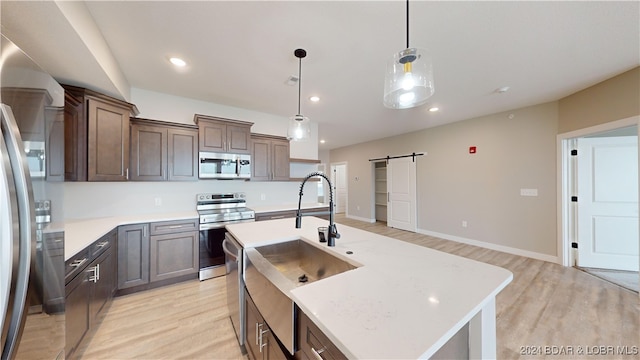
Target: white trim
pixel 371 221
pixel 496 247
pixel 563 203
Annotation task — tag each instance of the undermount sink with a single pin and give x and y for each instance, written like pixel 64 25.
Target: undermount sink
pixel 301 262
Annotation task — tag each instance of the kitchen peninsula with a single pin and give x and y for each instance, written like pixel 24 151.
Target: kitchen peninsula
pixel 402 301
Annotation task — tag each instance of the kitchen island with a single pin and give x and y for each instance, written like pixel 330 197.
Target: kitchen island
pixel 403 301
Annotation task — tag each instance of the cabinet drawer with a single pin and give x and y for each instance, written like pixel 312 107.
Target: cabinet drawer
pixel 311 339
pixel 76 265
pixel 276 215
pixel 174 226
pixel 103 244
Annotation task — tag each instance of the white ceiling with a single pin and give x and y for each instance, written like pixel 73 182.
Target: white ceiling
pixel 240 53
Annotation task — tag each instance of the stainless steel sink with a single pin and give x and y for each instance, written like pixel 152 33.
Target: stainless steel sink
pixel 303 263
pixel 272 271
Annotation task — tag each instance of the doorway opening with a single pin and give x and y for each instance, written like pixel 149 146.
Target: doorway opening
pixel 599 198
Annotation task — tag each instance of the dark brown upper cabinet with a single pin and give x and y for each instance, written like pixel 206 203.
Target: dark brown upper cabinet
pixel 96 136
pixel 163 151
pixel 223 135
pixel 270 158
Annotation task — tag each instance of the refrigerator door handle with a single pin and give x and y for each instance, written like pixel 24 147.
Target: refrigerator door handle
pixel 26 220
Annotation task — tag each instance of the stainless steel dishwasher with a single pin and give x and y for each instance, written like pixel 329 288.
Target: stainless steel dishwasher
pixel 235 287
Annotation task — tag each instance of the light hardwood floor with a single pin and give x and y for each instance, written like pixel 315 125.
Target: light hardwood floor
pixel 546 305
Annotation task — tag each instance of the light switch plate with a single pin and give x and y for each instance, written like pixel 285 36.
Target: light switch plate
pixel 528 192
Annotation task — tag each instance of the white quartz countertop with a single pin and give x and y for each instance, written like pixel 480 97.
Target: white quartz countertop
pixel 404 302
pixel 286 207
pixel 81 233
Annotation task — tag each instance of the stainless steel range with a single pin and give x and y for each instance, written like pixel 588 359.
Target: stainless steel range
pixel 216 211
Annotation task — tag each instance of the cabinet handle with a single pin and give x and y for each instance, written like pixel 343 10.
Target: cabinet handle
pixel 102 244
pixel 98 271
pixel 94 277
pixel 126 172
pixel 144 231
pixel 258 326
pixel 262 343
pixel 77 263
pixel 175 226
pixel 316 353
pixel 277 217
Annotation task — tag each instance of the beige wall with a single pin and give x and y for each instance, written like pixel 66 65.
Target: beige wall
pixel 613 99
pixel 482 189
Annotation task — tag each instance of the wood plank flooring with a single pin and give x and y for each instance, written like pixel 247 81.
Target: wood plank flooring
pixel 546 305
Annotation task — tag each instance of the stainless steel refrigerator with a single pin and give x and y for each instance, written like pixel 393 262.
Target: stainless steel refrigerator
pixel 31 201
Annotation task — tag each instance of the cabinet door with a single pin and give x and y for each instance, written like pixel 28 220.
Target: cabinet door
pixel 55 143
pixel 212 136
pixel 75 139
pixel 148 152
pixel 238 139
pixel 102 274
pixel 133 255
pixel 311 340
pixel 174 255
pixel 253 325
pixel 53 273
pixel 108 141
pixel 261 160
pixel 183 154
pixel 76 311
pixel 280 160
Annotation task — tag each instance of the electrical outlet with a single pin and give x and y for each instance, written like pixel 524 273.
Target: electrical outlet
pixel 528 192
pixel 158 201
pixel 358 207
pixel 464 223
pixel 263 197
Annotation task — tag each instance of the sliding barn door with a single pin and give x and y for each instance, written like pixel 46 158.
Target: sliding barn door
pixel 401 199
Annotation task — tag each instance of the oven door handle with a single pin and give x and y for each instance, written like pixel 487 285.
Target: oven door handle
pixel 228 251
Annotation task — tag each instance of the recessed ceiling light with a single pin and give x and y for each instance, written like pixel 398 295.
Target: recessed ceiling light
pixel 178 62
pixel 502 90
pixel 314 98
pixel 322 141
pixel 434 109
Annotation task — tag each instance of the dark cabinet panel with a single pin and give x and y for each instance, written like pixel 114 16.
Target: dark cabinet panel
pixel 96 136
pixel 133 255
pixel 223 135
pixel 148 152
pixel 270 158
pixel 261 343
pixel 312 342
pixel 55 143
pixel 174 255
pixel 163 151
pixel 78 292
pixel 183 154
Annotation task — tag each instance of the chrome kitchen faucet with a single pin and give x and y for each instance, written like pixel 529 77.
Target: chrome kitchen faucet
pixel 333 230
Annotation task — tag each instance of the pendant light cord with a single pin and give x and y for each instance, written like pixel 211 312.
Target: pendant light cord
pixel 407 24
pixel 299 82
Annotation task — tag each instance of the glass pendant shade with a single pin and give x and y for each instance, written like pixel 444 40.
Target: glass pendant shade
pixel 409 79
pixel 299 129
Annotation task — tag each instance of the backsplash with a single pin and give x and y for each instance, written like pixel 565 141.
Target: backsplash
pixel 101 199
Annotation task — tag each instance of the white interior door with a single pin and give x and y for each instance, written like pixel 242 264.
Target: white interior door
pixel 608 203
pixel 401 200
pixel 339 179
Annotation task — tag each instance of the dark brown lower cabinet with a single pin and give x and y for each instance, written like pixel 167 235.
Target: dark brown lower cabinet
pixel 312 343
pixel 89 291
pixel 133 255
pixel 173 255
pixel 261 344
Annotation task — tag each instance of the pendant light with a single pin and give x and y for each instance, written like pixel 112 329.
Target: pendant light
pixel 299 129
pixel 409 78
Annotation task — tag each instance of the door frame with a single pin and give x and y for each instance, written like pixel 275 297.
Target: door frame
pixel 565 221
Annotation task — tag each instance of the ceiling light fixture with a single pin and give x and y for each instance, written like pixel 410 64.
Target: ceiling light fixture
pixel 299 129
pixel 178 62
pixel 314 99
pixel 434 109
pixel 409 78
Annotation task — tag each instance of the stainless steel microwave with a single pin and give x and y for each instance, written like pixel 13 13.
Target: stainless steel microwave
pixel 224 166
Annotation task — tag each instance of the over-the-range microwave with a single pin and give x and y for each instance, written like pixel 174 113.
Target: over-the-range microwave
pixel 224 166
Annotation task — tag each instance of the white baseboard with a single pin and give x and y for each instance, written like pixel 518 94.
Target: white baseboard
pixel 486 245
pixel 371 221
